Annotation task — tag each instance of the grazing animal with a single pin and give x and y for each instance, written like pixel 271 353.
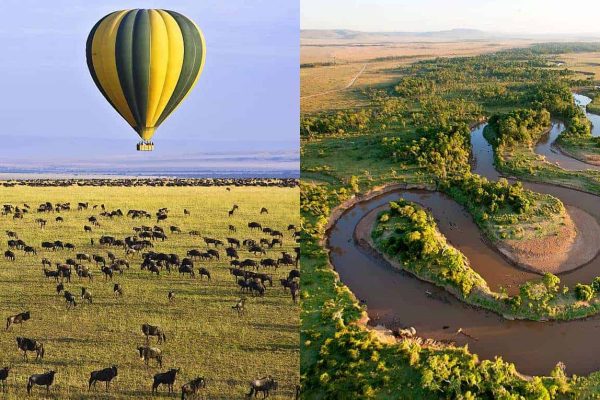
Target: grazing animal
pixel 186 212
pixel 232 228
pixel 187 269
pixel 153 330
pixel 103 375
pixel 295 290
pixel 174 229
pixel 118 289
pixel 51 274
pixel 171 296
pixel 293 274
pixel 17 319
pixel 257 287
pixel 45 379
pixel 3 376
pixel 192 387
pixel 70 299
pixel 254 225
pixel 204 272
pixel 86 295
pixel 87 228
pixel 264 210
pixel 148 353
pixel 59 288
pixel 264 385
pixel 240 306
pixel 108 273
pixel 25 345
pixel 9 255
pixel 29 250
pixel 165 378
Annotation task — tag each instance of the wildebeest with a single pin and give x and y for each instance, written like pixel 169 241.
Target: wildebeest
pixel 83 257
pixel 99 259
pixel 69 299
pixel 264 385
pixel 153 330
pixel 232 253
pixel 186 212
pixel 3 376
pixel 254 225
pixel 192 387
pixel 17 319
pixel 148 353
pixel 295 291
pixel 233 242
pixel 204 272
pixel 45 379
pixel 103 375
pixel 186 269
pixel 268 262
pixel 87 228
pixel 264 210
pixel 174 229
pixel 86 295
pixel 240 306
pixel 232 228
pixel 51 274
pixel 108 273
pixel 118 289
pixel 256 287
pixel 9 255
pixel 29 250
pixel 26 344
pixel 257 250
pixel 171 296
pixel 165 378
pixel 59 288
pixel 293 274
pixel 84 272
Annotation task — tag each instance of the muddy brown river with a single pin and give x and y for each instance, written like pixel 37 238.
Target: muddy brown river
pixel 397 299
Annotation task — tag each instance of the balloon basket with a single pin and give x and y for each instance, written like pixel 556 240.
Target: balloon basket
pixel 142 146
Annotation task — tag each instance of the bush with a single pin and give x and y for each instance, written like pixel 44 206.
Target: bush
pixel 584 292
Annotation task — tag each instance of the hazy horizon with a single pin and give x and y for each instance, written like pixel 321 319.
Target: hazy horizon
pixel 247 98
pixel 526 17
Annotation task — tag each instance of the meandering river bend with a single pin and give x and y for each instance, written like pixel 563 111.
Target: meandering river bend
pixel 397 299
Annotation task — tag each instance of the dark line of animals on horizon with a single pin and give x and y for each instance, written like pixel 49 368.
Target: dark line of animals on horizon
pixel 139 245
pixel 158 182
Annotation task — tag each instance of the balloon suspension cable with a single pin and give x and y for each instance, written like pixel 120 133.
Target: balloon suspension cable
pixel 145 146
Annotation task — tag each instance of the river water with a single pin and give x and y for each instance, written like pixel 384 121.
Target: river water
pixel 397 299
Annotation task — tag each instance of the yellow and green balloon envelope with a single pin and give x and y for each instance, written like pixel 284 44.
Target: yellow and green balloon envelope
pixel 145 62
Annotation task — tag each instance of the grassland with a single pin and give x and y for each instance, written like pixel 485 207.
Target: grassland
pixel 204 336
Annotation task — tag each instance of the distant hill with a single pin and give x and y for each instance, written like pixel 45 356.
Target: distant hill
pixel 351 35
pixel 319 36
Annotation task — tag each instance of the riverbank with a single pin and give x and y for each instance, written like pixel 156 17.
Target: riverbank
pixel 575 244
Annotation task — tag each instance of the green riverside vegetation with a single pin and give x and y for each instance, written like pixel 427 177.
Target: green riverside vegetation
pixel 415 132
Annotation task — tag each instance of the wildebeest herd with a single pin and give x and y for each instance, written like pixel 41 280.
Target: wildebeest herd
pixel 96 266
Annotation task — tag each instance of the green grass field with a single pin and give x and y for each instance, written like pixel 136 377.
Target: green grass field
pixel 205 337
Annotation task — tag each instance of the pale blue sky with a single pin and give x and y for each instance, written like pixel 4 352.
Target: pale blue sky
pixel 510 16
pixel 246 100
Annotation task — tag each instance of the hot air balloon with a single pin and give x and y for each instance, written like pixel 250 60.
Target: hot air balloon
pixel 145 62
